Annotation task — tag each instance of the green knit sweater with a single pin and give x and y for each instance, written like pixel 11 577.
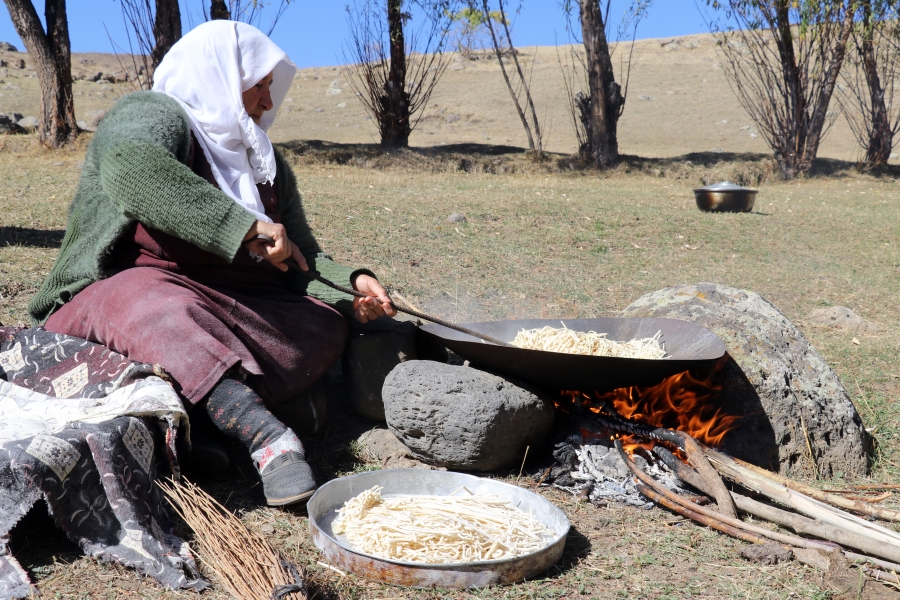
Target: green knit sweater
pixel 135 170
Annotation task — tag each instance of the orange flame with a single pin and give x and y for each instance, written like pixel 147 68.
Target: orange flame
pixel 680 402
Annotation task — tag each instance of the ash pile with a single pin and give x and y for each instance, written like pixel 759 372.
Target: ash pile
pixel 594 471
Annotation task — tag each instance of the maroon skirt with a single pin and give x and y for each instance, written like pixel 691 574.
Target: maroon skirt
pixel 198 316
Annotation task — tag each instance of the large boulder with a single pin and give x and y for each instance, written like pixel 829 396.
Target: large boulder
pixel 795 410
pixel 462 418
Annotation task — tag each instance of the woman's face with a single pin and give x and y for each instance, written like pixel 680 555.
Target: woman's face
pixel 258 99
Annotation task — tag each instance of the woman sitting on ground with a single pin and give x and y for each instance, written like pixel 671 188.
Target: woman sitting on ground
pixel 161 260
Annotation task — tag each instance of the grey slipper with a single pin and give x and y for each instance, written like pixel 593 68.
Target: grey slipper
pixel 288 480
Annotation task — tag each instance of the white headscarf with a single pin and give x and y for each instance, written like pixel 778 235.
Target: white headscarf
pixel 207 71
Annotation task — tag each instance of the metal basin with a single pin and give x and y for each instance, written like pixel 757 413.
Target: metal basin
pixel 686 343
pixel 725 197
pixel 331 496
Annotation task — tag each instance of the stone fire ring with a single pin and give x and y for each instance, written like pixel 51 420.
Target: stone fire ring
pixel 330 497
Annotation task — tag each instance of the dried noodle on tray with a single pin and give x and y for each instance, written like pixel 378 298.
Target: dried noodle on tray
pixel 439 529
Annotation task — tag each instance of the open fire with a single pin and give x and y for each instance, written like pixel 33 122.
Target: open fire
pixel 640 417
pixel 681 402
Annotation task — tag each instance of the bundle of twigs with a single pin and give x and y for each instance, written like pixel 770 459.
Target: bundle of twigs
pixel 244 562
pixel 806 510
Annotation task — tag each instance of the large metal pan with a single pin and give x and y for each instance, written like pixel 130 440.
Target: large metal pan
pixel 686 343
pixel 330 497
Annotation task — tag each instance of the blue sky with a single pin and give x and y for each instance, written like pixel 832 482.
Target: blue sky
pixel 312 32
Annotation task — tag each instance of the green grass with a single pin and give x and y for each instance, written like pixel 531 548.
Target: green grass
pixel 555 244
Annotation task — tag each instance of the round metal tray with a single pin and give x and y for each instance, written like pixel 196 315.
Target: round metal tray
pixel 330 497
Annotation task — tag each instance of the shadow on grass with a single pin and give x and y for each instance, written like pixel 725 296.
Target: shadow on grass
pixel 743 168
pixel 33 238
pixel 577 548
pixel 38 544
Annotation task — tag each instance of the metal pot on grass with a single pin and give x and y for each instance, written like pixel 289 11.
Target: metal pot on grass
pixel 725 197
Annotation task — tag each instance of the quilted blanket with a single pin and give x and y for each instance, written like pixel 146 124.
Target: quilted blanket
pixel 89 432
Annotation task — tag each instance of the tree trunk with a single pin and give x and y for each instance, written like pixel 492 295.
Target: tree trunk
pixel 219 10
pixel 50 52
pixel 789 151
pixel 819 116
pixel 606 101
pixel 395 127
pixel 881 138
pixel 166 29
pixel 799 144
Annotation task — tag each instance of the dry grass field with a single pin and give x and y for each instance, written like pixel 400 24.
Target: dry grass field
pixel 541 239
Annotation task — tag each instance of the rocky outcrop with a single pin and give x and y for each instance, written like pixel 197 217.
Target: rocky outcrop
pixel 462 418
pixel 793 403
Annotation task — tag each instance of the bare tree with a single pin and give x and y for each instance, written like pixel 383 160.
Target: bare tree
pixel 596 113
pixel 166 29
pixel 152 26
pixel 872 69
pixel 219 10
pixel 393 73
pixel 246 11
pixel 782 61
pixel 50 51
pixel 503 46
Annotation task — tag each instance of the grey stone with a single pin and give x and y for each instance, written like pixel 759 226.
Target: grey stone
pixel 16 116
pixel 647 98
pixel 462 418
pixel 19 64
pixel 457 218
pixel 83 125
pixel 95 78
pixel 7 47
pixel 29 123
pixel 373 349
pixel 788 397
pixel 457 67
pixel 452 118
pixel 672 46
pixel 840 317
pixel 95 117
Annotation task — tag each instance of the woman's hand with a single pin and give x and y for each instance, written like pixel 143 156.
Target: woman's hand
pixel 378 305
pixel 276 251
